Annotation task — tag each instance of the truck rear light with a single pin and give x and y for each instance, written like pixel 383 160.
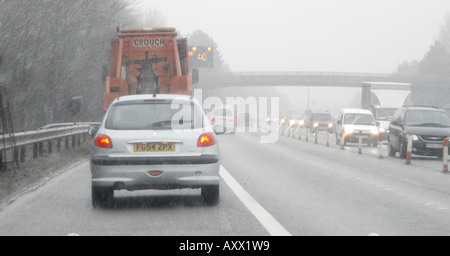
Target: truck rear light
pixel 207 140
pixel 102 141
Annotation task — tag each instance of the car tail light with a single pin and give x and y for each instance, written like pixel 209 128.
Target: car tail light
pixel 155 173
pixel 102 141
pixel 207 140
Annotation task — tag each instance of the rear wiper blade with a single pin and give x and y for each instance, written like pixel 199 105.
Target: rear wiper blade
pixel 162 123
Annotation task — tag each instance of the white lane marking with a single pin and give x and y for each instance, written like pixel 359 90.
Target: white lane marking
pixel 265 218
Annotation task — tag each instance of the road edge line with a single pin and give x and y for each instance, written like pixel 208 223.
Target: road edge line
pixel 262 215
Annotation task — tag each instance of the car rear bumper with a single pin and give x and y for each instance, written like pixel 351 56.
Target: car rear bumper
pixel 133 174
pixel 229 126
pixel 191 160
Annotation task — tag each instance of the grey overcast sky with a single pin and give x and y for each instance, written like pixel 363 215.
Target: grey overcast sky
pixel 312 35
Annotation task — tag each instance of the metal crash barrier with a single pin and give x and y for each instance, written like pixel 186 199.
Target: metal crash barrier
pixel 51 137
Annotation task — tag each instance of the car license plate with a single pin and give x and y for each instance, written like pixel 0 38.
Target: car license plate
pixel 429 145
pixel 154 147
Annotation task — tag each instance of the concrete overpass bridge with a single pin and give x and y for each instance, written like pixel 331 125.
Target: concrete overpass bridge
pixel 427 90
pixel 328 79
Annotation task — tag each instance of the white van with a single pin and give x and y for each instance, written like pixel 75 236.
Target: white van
pixel 351 121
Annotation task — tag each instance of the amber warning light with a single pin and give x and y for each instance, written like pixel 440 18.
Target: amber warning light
pixel 201 56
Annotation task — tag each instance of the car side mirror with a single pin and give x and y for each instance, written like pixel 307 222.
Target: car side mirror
pixel 93 130
pixel 378 124
pixel 218 129
pixel 339 122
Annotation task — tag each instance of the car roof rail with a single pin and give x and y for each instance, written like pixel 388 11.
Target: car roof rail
pixel 420 105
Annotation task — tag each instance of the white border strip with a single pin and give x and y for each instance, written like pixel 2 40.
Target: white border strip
pixel 265 218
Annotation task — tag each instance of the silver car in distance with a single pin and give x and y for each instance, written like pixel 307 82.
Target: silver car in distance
pixel 154 142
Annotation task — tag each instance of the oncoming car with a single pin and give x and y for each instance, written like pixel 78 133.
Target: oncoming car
pixel 351 122
pixel 427 126
pixel 319 121
pixel 154 142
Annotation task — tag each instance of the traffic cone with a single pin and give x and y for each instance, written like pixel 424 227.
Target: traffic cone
pixel 360 143
pixel 409 149
pixel 445 156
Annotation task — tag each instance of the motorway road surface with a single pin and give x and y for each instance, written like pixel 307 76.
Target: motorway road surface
pixel 291 187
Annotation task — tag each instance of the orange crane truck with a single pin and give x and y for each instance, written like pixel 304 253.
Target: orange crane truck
pixel 147 61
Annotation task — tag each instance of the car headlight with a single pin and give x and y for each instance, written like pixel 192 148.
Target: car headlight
pixel 415 137
pixel 348 131
pixel 330 125
pixel 382 130
pixel 375 131
pixel 316 125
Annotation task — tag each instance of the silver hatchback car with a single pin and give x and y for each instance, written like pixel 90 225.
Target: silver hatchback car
pixel 154 142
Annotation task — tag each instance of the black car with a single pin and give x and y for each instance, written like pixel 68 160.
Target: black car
pixel 428 127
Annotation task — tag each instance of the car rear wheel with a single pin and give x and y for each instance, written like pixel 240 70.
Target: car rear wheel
pixel 211 195
pixel 102 197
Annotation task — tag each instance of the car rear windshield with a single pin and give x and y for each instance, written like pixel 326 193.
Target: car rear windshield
pixel 158 115
pixel 359 119
pixel 426 118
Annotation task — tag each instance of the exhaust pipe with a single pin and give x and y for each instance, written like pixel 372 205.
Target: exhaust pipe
pixel 119 186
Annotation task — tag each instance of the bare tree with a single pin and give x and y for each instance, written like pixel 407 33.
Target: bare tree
pixel 53 50
pixel 152 18
pixel 444 36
